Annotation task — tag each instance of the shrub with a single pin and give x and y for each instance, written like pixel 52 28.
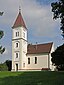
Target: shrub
pixel 3 67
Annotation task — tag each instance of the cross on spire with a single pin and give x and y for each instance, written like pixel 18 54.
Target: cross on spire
pixel 19 9
pixel 19 20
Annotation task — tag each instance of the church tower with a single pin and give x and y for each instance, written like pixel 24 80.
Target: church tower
pixel 19 44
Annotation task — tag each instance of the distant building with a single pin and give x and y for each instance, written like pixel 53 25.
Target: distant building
pixel 28 57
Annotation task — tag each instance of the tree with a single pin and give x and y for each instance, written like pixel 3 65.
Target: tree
pixel 1 48
pixel 58 57
pixel 58 12
pixel 3 67
pixel 9 64
pixel 1 35
pixel 1 13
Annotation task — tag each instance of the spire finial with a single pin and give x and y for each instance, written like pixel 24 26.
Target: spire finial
pixel 19 9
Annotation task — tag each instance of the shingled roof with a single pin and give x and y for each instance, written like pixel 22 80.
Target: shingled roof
pixel 39 48
pixel 19 21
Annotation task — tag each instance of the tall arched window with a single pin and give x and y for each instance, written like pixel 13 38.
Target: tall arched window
pixel 35 60
pixel 28 60
pixel 17 55
pixel 17 34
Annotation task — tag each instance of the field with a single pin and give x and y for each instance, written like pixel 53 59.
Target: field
pixel 32 78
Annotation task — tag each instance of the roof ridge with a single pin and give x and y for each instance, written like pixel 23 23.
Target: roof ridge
pixel 42 44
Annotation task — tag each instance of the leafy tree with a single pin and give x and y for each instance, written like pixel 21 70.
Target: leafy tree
pixel 1 48
pixel 1 13
pixel 58 57
pixel 3 67
pixel 1 35
pixel 58 12
pixel 9 64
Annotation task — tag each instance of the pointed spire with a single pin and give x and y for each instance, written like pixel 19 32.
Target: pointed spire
pixel 19 20
pixel 19 9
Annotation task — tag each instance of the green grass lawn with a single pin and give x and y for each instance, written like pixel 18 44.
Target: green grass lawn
pixel 32 78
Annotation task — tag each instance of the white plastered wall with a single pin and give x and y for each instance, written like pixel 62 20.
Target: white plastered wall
pixel 42 61
pixel 52 67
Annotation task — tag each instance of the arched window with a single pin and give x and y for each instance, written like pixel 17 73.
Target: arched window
pixel 17 34
pixel 28 60
pixel 35 60
pixel 17 44
pixel 17 55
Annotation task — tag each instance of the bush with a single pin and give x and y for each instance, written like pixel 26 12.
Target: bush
pixel 3 67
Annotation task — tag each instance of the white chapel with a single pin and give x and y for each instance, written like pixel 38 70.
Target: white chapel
pixel 28 57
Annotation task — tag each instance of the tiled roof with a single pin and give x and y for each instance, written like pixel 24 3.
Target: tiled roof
pixel 19 21
pixel 39 48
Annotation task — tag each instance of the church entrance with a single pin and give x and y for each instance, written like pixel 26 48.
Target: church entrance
pixel 16 67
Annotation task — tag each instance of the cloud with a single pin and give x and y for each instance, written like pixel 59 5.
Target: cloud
pixel 39 18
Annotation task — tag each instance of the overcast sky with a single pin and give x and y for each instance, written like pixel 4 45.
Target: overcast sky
pixel 39 22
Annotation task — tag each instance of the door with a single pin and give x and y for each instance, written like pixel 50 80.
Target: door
pixel 16 67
